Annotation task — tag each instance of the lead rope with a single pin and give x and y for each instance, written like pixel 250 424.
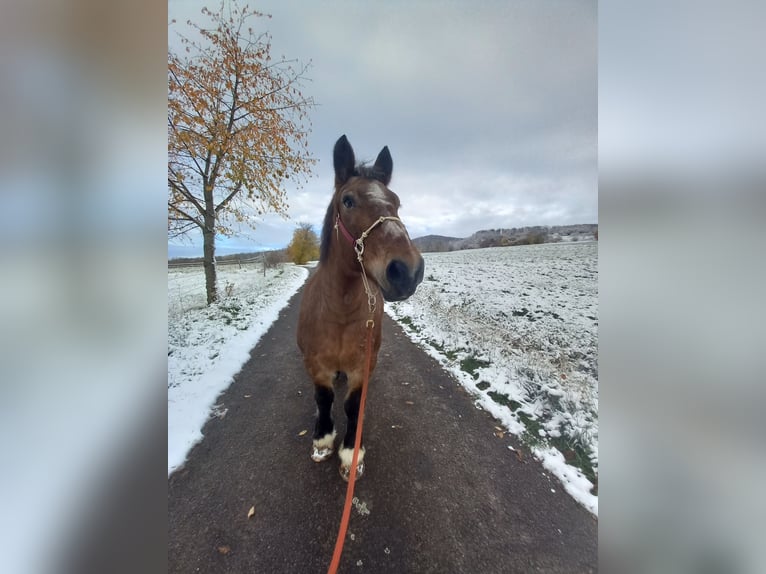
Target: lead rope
pixel 371 301
pixel 357 444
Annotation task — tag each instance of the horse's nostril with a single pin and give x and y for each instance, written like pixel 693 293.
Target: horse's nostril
pixel 420 272
pixel 397 273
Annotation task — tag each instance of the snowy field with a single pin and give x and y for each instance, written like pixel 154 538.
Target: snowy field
pixel 518 327
pixel 207 346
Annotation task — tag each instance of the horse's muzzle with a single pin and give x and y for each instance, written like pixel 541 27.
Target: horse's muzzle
pixel 402 279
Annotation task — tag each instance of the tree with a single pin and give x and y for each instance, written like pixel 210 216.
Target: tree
pixel 535 238
pixel 236 130
pixel 304 245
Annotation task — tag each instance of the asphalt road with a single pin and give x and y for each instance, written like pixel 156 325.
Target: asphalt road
pixel 441 493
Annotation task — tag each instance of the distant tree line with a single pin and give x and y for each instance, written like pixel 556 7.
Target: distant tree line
pixel 272 258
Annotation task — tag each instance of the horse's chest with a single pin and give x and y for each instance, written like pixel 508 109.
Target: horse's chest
pixel 347 346
pixel 342 349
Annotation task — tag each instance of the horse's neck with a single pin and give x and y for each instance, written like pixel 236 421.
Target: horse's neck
pixel 343 284
pixel 343 288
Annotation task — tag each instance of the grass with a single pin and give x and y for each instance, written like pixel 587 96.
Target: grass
pixel 576 455
pixel 471 364
pixel 531 436
pixel 502 399
pixel 574 452
pixel 409 323
pixel 450 354
pixel 230 310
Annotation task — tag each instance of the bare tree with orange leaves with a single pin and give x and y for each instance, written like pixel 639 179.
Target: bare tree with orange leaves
pixel 236 130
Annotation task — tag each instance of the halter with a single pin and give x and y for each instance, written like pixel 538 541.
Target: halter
pixel 358 245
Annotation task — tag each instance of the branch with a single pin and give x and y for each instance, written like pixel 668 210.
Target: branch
pixel 182 86
pixel 185 215
pixel 229 197
pixel 229 125
pixel 192 156
pixel 182 231
pixel 303 103
pixel 181 188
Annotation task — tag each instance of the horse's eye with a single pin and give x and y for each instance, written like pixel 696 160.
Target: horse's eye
pixel 348 202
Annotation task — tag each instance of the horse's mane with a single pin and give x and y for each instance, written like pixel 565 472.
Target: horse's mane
pixel 324 246
pixel 361 170
pixel 370 172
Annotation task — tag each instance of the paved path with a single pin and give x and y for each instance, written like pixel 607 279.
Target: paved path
pixel 441 493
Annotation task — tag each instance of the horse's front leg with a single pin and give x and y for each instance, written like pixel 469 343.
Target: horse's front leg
pixel 346 452
pixel 324 429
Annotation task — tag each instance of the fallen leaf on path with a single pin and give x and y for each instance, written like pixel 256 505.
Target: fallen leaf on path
pixel 499 434
pixel 251 512
pixel 303 432
pixel 499 428
pixel 409 403
pixel 224 549
pixel 248 396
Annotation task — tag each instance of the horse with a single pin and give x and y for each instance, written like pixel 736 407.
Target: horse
pixel 365 252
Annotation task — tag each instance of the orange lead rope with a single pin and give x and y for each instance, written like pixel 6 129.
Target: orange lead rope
pixel 357 444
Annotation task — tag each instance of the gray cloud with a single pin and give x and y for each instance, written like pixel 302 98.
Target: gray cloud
pixel 489 109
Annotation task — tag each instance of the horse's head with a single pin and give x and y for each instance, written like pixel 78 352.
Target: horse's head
pixel 361 198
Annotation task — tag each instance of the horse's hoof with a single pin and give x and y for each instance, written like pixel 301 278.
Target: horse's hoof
pixel 345 471
pixel 346 456
pixel 323 448
pixel 321 454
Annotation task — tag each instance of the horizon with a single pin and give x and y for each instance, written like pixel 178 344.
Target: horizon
pixel 233 250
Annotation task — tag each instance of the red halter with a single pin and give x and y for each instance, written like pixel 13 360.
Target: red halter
pixel 339 224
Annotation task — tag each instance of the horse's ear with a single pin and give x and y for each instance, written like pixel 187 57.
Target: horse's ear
pixel 384 165
pixel 343 160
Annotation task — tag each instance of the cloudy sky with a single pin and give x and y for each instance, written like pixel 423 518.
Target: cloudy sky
pixel 490 109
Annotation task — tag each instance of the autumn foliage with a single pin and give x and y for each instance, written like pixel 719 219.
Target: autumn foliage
pixel 304 246
pixel 237 129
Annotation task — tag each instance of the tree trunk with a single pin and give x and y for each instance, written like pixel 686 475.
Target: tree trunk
pixel 208 238
pixel 208 250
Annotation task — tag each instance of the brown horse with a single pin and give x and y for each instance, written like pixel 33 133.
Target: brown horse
pixel 363 241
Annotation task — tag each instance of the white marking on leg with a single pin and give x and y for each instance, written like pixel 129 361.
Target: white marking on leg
pixel 346 456
pixel 323 447
pixel 326 441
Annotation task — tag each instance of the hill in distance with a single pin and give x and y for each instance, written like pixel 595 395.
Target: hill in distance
pixel 509 237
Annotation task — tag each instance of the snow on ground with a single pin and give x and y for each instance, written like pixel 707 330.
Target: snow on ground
pixel 207 346
pixel 518 327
